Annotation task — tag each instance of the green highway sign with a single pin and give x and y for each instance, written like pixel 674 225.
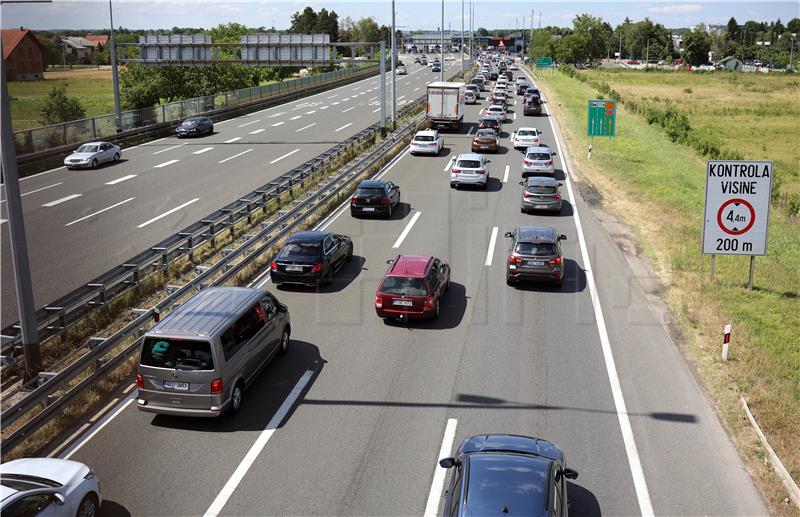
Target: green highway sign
pixel 544 62
pixel 602 118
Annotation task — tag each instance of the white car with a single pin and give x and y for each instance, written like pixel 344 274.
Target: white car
pixel 469 169
pixel 48 487
pixel 526 137
pixel 470 97
pixel 538 160
pixel 93 154
pixel 513 67
pixel 497 109
pixel 427 142
pixel 401 70
pixel 521 80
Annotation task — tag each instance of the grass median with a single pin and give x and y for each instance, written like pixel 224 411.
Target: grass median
pixel 657 186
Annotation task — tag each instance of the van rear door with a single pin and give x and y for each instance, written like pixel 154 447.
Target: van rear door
pixel 177 372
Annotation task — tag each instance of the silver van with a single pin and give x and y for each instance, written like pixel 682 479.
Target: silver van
pixel 198 360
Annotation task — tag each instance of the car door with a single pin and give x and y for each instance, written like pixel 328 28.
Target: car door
pixel 251 337
pixel 272 332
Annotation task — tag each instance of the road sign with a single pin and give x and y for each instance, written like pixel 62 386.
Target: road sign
pixel 738 195
pixel 544 62
pixel 602 118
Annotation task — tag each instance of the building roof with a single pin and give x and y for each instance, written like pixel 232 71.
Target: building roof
pixel 77 42
pixel 13 37
pixel 98 39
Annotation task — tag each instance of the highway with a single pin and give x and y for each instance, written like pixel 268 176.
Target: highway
pixel 82 223
pixel 351 421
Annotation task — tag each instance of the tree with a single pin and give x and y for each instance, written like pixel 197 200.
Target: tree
pixel 591 37
pixel 793 26
pixel 328 23
pixel 228 32
pixel 481 32
pixel 696 45
pixel 733 30
pixel 303 22
pixel 59 108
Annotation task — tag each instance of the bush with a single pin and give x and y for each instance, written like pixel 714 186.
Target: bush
pixel 59 108
pixel 793 208
pixel 687 90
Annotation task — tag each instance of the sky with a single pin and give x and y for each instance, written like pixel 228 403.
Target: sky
pixel 410 15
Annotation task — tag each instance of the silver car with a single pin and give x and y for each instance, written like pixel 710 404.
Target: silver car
pixel 470 169
pixel 540 193
pixel 538 160
pixel 48 487
pixel 92 155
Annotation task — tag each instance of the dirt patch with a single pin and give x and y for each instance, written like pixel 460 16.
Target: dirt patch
pixel 90 73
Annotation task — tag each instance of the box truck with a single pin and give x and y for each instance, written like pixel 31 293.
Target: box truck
pixel 446 104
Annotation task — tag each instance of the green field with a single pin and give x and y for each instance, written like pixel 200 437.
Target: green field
pixel 646 179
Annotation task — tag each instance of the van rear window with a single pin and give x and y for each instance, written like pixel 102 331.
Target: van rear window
pixel 178 354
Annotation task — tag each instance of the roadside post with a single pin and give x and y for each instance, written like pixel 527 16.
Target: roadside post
pixel 726 340
pixel 602 120
pixel 736 221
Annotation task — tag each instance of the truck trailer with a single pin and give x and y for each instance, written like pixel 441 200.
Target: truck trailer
pixel 445 104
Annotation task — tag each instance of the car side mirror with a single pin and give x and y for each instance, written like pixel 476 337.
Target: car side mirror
pixel 59 499
pixel 282 307
pixel 507 235
pixel 390 261
pixel 447 463
pixel 570 473
pixel 562 237
pixel 560 184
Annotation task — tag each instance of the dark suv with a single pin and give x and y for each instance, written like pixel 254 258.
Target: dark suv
pixel 311 258
pixel 532 106
pixel 490 122
pixel 535 254
pixel 375 197
pixel 501 474
pixel 412 287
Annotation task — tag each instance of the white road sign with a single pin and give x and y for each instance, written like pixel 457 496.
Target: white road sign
pixel 737 207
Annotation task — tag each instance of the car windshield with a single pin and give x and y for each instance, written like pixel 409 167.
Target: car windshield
pixel 88 148
pixel 404 286
pixel 179 354
pixel 22 482
pixel 538 156
pixel 369 192
pixel 543 189
pixel 535 248
pixel 495 108
pixel 507 481
pixel 299 248
pixel 526 132
pixel 468 164
pixel 191 122
pixel 423 138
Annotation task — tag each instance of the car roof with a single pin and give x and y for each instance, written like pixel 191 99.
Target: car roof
pixel 536 234
pixel 309 236
pixel 410 265
pixel 98 142
pixel 469 156
pixel 527 128
pixel 516 484
pixel 372 184
pixel 431 132
pixel 537 149
pixel 541 181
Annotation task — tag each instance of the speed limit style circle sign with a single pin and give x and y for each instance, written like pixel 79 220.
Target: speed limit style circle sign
pixel 738 196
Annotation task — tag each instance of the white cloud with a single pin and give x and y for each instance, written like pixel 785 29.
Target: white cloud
pixel 676 9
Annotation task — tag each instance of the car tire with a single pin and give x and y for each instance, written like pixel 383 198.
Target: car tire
pixel 327 279
pixel 510 281
pixel 350 254
pixel 237 397
pixel 283 346
pixel 94 163
pixel 89 506
pixel 435 313
pixel 116 157
pixel 453 185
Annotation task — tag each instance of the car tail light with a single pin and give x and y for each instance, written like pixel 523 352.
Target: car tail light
pixel 378 301
pixel 139 381
pixel 556 196
pixel 385 200
pixel 429 303
pixel 554 262
pixel 432 145
pixel 216 386
pixel 353 200
pixel 316 268
pixel 527 162
pixel 515 260
pixel 274 266
pixel 526 195
pixel 456 171
pixel 480 171
pixel 549 163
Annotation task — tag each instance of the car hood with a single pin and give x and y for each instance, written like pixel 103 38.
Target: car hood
pixel 66 472
pixel 82 156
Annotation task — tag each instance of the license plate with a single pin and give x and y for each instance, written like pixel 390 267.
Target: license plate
pixel 541 207
pixel 294 268
pixel 403 303
pixel 368 209
pixel 172 385
pixel 534 263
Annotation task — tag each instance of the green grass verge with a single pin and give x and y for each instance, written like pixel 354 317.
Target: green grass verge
pixel 93 91
pixel 647 180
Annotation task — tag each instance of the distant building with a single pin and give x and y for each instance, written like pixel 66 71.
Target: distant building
pixel 23 55
pixel 677 42
pixel 99 40
pixel 77 46
pixel 731 63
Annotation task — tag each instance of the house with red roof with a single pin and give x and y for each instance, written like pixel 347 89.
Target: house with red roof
pixel 99 40
pixel 23 55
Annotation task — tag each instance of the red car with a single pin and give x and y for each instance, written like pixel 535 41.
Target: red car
pixel 412 288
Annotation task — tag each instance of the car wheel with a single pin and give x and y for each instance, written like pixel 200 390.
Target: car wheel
pixel 510 281
pixel 116 157
pixel 452 185
pixel 350 254
pixel 94 163
pixel 283 347
pixel 88 506
pixel 327 279
pixel 435 314
pixel 236 398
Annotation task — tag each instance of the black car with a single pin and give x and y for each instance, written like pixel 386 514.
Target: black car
pixel 533 106
pixel 501 474
pixel 375 197
pixel 493 75
pixel 195 126
pixel 311 258
pixel 533 92
pixel 490 122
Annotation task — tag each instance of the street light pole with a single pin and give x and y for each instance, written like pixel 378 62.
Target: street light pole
pixel 114 72
pixel 441 48
pixel 530 63
pixel 461 49
pixel 394 72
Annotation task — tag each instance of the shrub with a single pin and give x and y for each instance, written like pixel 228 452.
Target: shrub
pixel 793 208
pixel 687 90
pixel 59 108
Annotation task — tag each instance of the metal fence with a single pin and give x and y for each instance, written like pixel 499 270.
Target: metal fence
pixel 47 137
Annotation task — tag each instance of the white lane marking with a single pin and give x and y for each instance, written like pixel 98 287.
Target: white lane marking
pixel 346 99
pixel 417 88
pixel 99 211
pixel 356 88
pixel 332 96
pixel 276 160
pixel 490 251
pixel 505 175
pixel 306 127
pixel 165 164
pixel 372 98
pixel 37 190
pixel 406 231
pixel 276 114
pixel 335 103
pixel 204 150
pixel 447 167
pixel 376 110
pixel 230 486
pixel 276 124
pixel 635 463
pixel 120 180
pixel 401 97
pixel 62 200
pixel 3 221
pixel 257 131
pixel 296 117
pixel 515 116
pixel 345 126
pixel 470 130
pixel 235 156
pixel 437 485
pixel 168 212
pixel 232 140
pixel 151 142
pixel 324 107
pixel 311 112
pixel 168 149
pixel 480 112
pixel 348 109
pixel 100 425
pixel 249 123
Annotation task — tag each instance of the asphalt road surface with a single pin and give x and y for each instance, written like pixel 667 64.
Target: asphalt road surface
pixel 82 223
pixel 351 421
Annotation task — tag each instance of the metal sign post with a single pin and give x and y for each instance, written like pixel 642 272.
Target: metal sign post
pixel 383 87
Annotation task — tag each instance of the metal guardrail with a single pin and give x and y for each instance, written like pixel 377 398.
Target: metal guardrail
pixel 30 141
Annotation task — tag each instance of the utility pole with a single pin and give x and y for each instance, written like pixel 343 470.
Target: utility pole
pixel 441 47
pixel 383 87
pixel 114 72
pixel 530 63
pixel 471 29
pixel 394 72
pixel 32 354
pixel 462 39
pixel 647 55
pixel 620 43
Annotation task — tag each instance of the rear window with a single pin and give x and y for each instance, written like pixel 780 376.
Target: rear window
pixel 538 156
pixel 489 122
pixel 526 132
pixel 468 164
pixel 423 138
pixel 405 286
pixel 535 248
pixel 503 480
pixel 178 354
pixel 485 133
pixel 542 189
pixel 304 249
pixel 369 192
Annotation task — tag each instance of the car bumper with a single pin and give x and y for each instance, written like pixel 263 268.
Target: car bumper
pixel 78 165
pixel 534 275
pixel 281 277
pixel 370 210
pixel 524 144
pixel 534 205
pixel 424 150
pixel 537 170
pixel 469 179
pixel 479 148
pixel 398 313
pixel 176 411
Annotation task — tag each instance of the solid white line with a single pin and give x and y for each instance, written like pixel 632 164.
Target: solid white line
pixel 40 189
pixel 435 495
pixel 100 425
pixel 345 126
pixel 168 149
pixel 470 130
pixel 376 110
pixel 235 156
pixel 120 180
pixel 348 109
pixel 62 200
pixel 168 212
pixel 201 151
pixel 232 140
pixel 276 124
pixel 151 142
pixel 447 167
pixel 639 481
pixel 276 160
pixel 490 251
pixel 505 175
pixel 253 122
pixel 276 114
pixel 296 117
pixel 100 211
pixel 165 164
pixel 261 442
pixel 403 235
pixel 311 112
pixel 306 127
pixel 257 131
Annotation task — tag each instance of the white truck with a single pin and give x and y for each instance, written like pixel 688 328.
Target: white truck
pixel 445 104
